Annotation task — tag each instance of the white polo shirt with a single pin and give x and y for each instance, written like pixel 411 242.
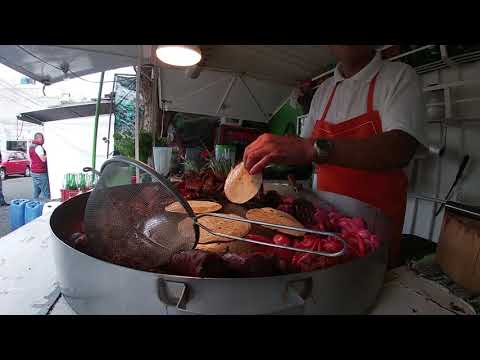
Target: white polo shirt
pixel 398 98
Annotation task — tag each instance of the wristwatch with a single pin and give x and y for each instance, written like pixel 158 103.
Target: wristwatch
pixel 323 149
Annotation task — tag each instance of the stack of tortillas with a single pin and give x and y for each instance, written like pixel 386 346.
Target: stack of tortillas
pixel 277 217
pixel 240 186
pixel 198 207
pixel 218 244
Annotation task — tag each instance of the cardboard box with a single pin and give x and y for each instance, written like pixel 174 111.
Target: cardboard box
pixel 458 251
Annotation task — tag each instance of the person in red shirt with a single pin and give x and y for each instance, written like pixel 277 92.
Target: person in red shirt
pixel 2 197
pixel 38 158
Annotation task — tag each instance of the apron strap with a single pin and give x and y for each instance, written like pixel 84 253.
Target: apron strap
pixel 325 112
pixel 371 92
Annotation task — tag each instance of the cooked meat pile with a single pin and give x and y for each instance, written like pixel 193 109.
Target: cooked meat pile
pixel 261 260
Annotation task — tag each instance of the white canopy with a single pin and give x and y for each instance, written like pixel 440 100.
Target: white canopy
pixel 247 82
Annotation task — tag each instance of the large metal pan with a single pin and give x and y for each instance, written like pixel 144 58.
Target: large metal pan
pixel 93 286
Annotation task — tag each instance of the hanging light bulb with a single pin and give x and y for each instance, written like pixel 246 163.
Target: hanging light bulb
pixel 179 55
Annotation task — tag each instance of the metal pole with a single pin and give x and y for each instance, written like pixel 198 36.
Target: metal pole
pixel 155 105
pixel 137 109
pixel 227 92
pixel 254 99
pixel 97 114
pixel 137 105
pixel 110 116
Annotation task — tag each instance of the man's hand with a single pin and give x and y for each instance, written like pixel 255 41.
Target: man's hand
pixel 390 150
pixel 285 150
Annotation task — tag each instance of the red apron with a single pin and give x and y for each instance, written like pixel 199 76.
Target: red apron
pixel 386 190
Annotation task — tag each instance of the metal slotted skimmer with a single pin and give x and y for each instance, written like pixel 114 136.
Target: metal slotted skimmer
pixel 126 222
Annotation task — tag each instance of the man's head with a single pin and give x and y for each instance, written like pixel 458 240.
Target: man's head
pixel 348 54
pixel 38 139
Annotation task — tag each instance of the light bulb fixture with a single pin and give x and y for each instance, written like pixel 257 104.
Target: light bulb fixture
pixel 179 55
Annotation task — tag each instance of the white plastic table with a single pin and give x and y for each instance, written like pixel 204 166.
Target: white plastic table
pixel 28 281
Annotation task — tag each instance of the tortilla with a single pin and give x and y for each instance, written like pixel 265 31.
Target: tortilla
pixel 224 226
pixel 277 217
pixel 240 186
pixel 218 244
pixel 198 207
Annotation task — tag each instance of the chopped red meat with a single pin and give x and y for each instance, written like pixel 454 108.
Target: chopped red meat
pixel 79 240
pixel 284 240
pixel 197 263
pixel 252 265
pixel 267 261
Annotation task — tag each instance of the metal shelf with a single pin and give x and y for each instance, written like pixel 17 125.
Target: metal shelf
pixel 451 85
pixel 467 100
pixel 456 121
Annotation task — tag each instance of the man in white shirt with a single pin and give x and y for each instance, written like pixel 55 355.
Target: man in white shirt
pixel 364 126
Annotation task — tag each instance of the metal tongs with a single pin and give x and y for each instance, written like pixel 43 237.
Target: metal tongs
pixel 297 188
pixel 232 237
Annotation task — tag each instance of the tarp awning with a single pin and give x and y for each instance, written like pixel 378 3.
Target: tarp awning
pixel 248 82
pixel 44 63
pixel 284 64
pixel 64 112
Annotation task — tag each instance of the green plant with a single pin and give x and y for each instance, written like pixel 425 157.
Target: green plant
pixel 124 145
pixel 145 145
pixel 220 168
pixel 190 166
pixel 162 142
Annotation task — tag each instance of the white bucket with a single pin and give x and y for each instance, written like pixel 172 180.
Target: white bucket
pixel 162 157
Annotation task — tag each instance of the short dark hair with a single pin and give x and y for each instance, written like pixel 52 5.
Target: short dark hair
pixel 37 135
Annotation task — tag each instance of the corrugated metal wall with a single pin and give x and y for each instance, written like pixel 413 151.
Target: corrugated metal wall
pixel 460 140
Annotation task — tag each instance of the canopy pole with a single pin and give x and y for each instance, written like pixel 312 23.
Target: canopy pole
pixel 137 104
pixel 227 92
pixel 254 99
pixel 110 116
pixel 97 114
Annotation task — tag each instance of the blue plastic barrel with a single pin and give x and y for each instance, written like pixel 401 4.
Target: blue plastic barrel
pixel 33 209
pixel 17 213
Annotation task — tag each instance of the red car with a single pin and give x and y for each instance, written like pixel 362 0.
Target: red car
pixel 14 163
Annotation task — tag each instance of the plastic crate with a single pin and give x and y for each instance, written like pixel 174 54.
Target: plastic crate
pixel 68 194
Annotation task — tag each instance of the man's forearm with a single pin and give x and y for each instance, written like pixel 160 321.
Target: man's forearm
pixel 391 150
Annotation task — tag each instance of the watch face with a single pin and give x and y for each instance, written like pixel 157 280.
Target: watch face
pixel 322 148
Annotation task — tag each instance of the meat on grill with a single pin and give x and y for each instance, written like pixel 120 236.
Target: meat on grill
pixel 252 265
pixel 197 263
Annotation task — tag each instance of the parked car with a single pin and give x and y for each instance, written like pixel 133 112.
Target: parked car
pixel 14 163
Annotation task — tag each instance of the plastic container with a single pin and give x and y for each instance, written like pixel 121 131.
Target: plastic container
pixel 17 213
pixel 33 209
pixel 162 158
